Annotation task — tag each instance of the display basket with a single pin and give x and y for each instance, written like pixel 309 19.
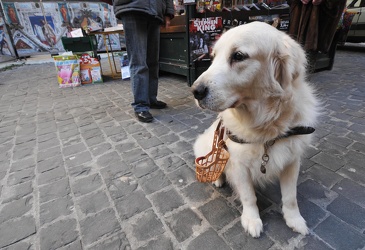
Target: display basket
pixel 210 167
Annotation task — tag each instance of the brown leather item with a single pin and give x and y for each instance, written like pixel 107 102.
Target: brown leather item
pixel 314 26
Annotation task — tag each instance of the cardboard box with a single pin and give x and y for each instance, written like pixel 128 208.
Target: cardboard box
pixel 90 69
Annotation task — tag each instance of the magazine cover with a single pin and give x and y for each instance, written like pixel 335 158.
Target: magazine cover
pixel 203 34
pixel 68 71
pixel 280 22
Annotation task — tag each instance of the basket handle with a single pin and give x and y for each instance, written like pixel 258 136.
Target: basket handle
pixel 221 130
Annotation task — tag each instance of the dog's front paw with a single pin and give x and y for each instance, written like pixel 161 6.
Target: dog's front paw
pixel 252 226
pixel 219 182
pixel 298 224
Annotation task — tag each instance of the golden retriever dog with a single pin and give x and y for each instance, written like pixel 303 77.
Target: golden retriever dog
pixel 257 84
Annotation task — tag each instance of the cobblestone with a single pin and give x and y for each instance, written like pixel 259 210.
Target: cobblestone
pixel 52 210
pixel 102 224
pixel 218 213
pixel 348 211
pixel 15 209
pixel 132 204
pixel 208 240
pixel 16 192
pixel 166 201
pixel 86 185
pixel 147 226
pixel 92 203
pixel 16 230
pixel 78 172
pixel 55 190
pixel 58 234
pixel 345 237
pixel 182 224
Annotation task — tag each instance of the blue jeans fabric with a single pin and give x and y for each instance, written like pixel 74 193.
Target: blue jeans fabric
pixel 142 35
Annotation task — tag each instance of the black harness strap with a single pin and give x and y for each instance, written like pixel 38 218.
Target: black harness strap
pixel 300 130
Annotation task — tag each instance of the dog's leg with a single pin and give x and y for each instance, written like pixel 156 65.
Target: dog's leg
pixel 219 182
pixel 242 182
pixel 288 185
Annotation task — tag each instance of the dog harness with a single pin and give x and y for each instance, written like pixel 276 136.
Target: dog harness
pixel 300 130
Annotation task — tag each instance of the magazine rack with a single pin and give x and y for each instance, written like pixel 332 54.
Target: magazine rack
pixel 175 50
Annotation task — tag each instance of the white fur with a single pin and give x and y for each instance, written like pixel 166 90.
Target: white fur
pixel 258 99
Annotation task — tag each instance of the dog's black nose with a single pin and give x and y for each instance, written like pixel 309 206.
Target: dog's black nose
pixel 200 92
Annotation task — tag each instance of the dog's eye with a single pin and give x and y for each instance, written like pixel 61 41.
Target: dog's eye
pixel 239 56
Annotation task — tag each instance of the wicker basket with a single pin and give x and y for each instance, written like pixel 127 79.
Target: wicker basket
pixel 211 166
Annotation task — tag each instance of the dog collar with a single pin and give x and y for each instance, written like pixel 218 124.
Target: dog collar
pixel 300 130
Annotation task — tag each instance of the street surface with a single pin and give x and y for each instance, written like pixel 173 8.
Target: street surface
pixel 77 171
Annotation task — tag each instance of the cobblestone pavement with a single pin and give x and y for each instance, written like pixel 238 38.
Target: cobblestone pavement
pixel 77 171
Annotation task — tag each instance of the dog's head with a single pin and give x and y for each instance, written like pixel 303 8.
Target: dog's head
pixel 250 62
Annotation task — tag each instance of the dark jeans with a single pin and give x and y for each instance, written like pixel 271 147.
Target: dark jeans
pixel 142 35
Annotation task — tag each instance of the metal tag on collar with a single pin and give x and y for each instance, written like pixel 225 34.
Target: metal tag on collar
pixel 265 157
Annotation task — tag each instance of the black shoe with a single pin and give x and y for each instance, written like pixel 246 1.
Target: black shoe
pixel 144 116
pixel 158 105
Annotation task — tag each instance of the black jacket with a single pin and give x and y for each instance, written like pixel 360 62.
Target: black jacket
pixel 156 8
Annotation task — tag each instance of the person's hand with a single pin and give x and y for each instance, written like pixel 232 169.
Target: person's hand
pixel 314 2
pixel 167 21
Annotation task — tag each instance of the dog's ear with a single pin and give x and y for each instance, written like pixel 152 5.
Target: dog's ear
pixel 281 70
pixel 278 72
pixel 288 62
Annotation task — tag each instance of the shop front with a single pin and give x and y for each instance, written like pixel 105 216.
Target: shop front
pixel 187 43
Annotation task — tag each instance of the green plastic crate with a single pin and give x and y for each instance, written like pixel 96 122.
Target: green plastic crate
pixel 80 44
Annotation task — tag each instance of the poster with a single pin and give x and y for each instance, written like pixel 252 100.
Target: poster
pixel 10 13
pixel 44 29
pixel 39 26
pixel 64 13
pixel 5 44
pixel 204 32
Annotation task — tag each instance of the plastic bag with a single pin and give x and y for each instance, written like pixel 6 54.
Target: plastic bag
pixel 68 70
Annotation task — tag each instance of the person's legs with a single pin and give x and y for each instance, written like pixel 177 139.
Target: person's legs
pixel 153 52
pixel 136 35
